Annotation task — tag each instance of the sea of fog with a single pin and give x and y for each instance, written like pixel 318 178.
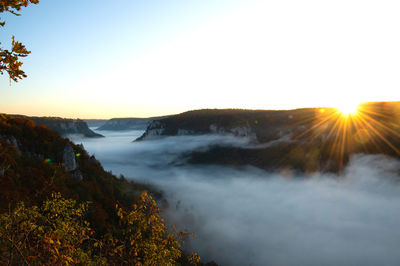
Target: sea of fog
pixel 246 216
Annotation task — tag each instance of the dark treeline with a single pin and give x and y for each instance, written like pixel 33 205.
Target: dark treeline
pixel 306 140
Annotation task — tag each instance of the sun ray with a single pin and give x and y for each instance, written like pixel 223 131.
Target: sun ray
pixel 317 125
pixel 381 124
pixel 365 128
pixel 380 135
pixel 368 128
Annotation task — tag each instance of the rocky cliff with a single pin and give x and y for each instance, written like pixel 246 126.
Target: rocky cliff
pixel 260 126
pixel 117 124
pixel 70 164
pixel 95 122
pixel 40 144
pixel 13 141
pixel 64 126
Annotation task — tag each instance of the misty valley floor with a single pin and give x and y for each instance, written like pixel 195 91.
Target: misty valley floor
pixel 248 216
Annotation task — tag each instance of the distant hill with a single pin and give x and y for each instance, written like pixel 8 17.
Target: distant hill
pixel 306 140
pixel 118 124
pixel 64 126
pixel 95 122
pixel 262 125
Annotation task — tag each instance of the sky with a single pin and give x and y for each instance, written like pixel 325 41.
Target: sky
pixel 125 58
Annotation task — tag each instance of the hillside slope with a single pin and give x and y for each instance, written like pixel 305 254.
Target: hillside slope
pixel 43 177
pixel 36 161
pixel 262 125
pixel 307 140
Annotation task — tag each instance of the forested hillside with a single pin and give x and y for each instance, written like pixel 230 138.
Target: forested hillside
pixel 306 140
pixel 59 206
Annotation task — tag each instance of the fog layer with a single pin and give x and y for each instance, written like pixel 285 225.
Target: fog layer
pixel 248 216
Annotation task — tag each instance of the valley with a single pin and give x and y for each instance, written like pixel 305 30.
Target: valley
pixel 246 215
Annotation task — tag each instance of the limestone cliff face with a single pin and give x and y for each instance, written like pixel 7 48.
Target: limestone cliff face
pixel 198 125
pixel 64 126
pixel 158 128
pixel 13 141
pixel 240 131
pixel 68 126
pixel 155 128
pixel 70 163
pixel 69 159
pixel 117 124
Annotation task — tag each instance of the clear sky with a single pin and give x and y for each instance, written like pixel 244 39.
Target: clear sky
pixel 126 58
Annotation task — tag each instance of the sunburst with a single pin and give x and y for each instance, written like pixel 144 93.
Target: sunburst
pixel 354 128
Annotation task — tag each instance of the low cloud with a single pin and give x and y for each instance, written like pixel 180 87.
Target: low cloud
pixel 247 216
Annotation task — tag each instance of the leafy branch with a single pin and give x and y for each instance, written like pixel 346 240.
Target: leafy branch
pixel 10 58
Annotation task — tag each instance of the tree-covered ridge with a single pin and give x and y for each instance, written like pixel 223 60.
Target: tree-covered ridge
pixel 269 124
pixel 307 140
pixel 49 217
pixel 323 142
pixel 266 125
pixel 37 165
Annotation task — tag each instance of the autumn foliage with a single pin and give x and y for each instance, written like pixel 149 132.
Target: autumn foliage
pixel 10 59
pixel 57 233
pixel 49 218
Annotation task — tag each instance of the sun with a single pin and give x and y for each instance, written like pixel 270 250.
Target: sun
pixel 348 108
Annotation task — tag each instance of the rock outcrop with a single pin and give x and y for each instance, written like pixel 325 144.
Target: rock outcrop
pixel 155 128
pixel 69 159
pixel 70 163
pixel 119 124
pixel 96 123
pixel 13 141
pixel 243 131
pixel 64 126
pixel 24 141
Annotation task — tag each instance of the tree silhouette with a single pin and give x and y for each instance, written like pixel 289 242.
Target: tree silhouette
pixel 10 59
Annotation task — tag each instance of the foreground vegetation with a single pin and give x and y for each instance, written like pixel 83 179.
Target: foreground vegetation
pixel 49 217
